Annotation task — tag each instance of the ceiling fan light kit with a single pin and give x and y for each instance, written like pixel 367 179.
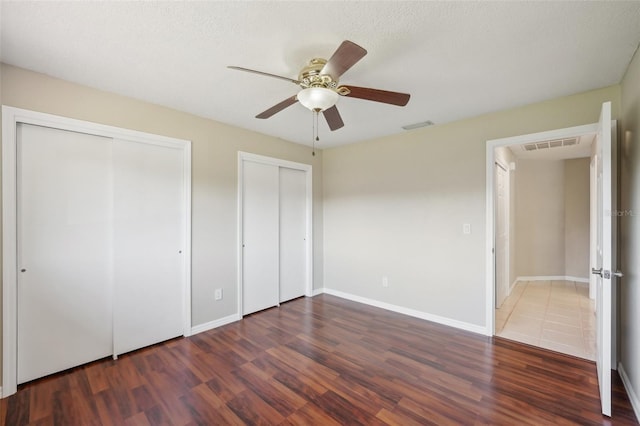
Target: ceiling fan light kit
pixel 320 90
pixel 317 98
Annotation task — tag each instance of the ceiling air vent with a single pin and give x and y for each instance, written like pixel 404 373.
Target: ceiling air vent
pixel 550 144
pixel 418 125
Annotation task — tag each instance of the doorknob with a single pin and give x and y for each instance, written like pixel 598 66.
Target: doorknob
pixel 595 271
pixel 618 274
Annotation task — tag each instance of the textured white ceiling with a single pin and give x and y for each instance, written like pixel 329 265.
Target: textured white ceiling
pixel 456 59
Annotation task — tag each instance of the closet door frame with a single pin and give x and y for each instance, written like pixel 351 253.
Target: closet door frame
pixel 11 117
pixel 246 156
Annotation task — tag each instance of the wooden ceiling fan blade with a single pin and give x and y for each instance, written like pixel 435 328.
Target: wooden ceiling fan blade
pixel 347 54
pixel 377 95
pixel 333 118
pixel 264 73
pixel 278 107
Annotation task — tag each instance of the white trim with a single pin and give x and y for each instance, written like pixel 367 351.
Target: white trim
pixel 410 312
pixel 552 278
pixel 490 211
pixel 308 169
pixel 508 170
pixel 239 256
pixel 577 279
pixel 318 291
pixel 186 265
pixel 633 395
pixel 9 254
pixel 215 324
pixel 10 118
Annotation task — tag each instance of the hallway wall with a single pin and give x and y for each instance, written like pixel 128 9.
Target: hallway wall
pixel 629 223
pixel 540 194
pixel 576 217
pixel 552 218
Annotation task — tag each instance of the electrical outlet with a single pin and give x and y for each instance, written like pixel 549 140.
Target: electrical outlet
pixel 385 281
pixel 218 294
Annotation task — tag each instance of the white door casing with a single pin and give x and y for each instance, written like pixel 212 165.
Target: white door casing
pixel 502 234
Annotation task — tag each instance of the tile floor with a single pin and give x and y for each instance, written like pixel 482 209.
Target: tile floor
pixel 556 315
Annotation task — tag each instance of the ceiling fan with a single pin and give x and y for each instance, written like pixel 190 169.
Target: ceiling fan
pixel 320 90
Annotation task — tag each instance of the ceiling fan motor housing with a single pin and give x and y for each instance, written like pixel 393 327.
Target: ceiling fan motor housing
pixel 311 76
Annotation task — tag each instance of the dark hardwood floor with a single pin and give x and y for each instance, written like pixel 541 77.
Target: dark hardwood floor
pixel 324 361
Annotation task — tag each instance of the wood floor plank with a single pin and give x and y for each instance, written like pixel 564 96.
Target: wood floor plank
pixel 310 414
pixel 207 408
pixel 274 393
pixel 324 361
pixel 253 410
pixel 139 419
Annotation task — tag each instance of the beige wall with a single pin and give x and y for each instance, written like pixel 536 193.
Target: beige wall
pixel 576 218
pixel 395 207
pixel 540 218
pixel 214 172
pixel 552 216
pixel 629 222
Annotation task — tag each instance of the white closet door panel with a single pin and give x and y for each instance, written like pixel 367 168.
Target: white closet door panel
pixel 293 227
pixel 64 298
pixel 260 236
pixel 148 244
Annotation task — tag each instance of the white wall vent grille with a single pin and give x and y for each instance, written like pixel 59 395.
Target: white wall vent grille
pixel 550 144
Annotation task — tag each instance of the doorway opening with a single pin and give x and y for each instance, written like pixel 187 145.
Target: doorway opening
pixel 542 227
pixel 602 230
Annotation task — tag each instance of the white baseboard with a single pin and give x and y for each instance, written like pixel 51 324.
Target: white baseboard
pixel 633 396
pixel 553 278
pixel 214 324
pixel 406 311
pixel 317 291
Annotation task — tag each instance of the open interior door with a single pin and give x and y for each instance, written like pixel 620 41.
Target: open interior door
pixel 605 252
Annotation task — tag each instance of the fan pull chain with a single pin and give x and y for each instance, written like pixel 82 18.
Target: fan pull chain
pixel 315 131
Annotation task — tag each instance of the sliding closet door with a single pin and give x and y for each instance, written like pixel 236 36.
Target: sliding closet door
pixel 260 236
pixel 64 244
pixel 149 239
pixel 293 228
